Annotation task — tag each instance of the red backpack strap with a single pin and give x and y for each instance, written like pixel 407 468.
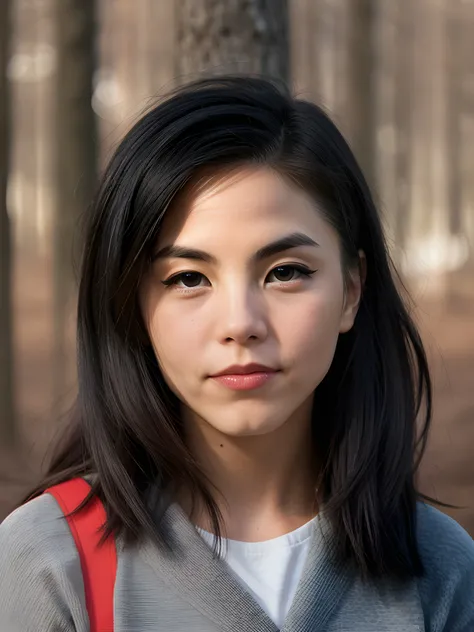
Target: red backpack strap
pixel 98 563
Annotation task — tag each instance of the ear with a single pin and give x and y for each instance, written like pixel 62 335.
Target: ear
pixel 355 282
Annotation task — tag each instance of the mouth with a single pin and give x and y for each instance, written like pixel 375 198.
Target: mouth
pixel 245 378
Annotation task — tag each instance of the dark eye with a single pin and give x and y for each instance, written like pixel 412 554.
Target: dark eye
pixel 186 279
pixel 191 279
pixel 286 273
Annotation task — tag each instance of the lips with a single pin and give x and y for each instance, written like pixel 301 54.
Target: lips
pixel 245 378
pixel 247 369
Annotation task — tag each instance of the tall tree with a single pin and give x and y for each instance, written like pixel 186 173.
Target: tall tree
pixel 137 43
pixel 331 57
pixel 393 86
pixel 213 37
pixel 455 80
pixel 428 231
pixel 464 16
pixel 76 162
pixel 7 421
pixel 386 90
pixel 304 39
pixel 405 43
pixel 359 79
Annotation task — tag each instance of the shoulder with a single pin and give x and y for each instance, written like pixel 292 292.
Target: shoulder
pixel 40 573
pixel 40 517
pixel 36 530
pixel 444 545
pixel 447 587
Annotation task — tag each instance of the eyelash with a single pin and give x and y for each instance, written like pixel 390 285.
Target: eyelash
pixel 302 270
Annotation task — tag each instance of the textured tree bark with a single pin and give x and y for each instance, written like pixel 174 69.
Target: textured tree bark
pixel 7 417
pixel 237 36
pixel 76 161
pixel 305 20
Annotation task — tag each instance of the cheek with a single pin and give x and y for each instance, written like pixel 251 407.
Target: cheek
pixel 175 339
pixel 311 331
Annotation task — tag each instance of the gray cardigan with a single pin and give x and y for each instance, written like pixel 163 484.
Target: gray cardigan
pixel 41 584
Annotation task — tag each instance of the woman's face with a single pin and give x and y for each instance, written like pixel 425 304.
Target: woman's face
pixel 247 281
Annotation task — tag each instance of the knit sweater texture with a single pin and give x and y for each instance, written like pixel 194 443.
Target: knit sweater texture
pixel 41 586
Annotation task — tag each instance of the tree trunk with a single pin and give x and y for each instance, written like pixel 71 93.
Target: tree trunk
pixel 138 44
pixel 360 71
pixel 440 132
pixel 386 46
pixel 466 52
pixel 238 36
pixel 76 160
pixel 420 150
pixel 455 108
pixel 7 418
pixel 305 19
pixel 330 59
pixel 394 67
pixel 403 116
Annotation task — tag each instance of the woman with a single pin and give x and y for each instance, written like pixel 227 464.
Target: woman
pixel 249 385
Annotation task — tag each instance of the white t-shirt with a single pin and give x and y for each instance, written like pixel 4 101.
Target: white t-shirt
pixel 271 569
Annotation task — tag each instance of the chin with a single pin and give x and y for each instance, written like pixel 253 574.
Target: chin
pixel 246 427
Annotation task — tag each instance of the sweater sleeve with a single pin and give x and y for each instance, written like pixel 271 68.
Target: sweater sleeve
pixel 447 589
pixel 41 585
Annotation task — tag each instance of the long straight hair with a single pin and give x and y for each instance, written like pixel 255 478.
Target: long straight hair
pixel 126 427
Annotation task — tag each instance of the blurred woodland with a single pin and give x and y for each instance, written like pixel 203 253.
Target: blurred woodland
pixel 397 76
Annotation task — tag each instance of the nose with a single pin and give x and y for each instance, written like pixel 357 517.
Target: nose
pixel 241 316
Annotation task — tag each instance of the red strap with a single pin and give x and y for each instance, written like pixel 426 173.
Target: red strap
pixel 98 563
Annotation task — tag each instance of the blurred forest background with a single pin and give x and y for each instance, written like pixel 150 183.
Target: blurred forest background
pixel 396 75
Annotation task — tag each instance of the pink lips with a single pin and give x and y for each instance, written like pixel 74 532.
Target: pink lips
pixel 245 378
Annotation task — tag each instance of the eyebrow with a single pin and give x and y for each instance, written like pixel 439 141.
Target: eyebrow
pixel 273 248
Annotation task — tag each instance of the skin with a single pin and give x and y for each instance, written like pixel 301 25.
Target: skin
pixel 255 446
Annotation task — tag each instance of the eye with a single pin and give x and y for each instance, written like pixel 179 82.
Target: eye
pixel 187 280
pixel 286 273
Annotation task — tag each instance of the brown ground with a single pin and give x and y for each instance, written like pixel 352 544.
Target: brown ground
pixel 448 328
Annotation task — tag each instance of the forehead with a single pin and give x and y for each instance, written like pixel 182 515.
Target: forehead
pixel 245 207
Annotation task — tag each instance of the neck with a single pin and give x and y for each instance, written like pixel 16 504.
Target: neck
pixel 266 484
